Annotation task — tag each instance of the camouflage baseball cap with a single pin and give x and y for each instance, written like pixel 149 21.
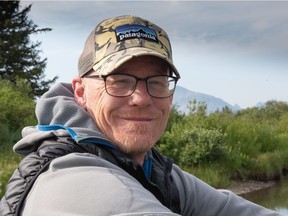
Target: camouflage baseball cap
pixel 116 40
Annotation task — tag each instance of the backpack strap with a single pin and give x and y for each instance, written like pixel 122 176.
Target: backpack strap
pixel 29 169
pixel 29 186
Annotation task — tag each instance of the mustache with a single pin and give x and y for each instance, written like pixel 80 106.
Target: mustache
pixel 141 114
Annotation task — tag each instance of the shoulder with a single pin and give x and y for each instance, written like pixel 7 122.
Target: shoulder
pixel 81 183
pixel 211 201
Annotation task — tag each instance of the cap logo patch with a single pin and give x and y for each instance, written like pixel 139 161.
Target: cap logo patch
pixel 135 31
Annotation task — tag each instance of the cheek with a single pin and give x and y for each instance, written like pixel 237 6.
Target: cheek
pixel 96 100
pixel 102 108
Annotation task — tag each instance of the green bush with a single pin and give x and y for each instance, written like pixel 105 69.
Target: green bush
pixel 16 107
pixel 249 144
pixel 267 166
pixel 191 142
pixel 192 146
pixel 16 111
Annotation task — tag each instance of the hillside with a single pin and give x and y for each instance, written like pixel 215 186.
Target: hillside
pixel 182 96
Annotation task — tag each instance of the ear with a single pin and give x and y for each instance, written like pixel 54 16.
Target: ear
pixel 79 91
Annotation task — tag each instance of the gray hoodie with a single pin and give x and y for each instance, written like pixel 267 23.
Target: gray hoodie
pixel 85 184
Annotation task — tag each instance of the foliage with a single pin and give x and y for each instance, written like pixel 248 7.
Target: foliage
pixel 174 117
pixel 215 174
pixel 191 142
pixel 16 111
pixel 16 107
pixel 249 144
pixel 19 57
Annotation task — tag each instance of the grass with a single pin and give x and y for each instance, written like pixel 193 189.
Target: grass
pixel 8 163
pixel 213 174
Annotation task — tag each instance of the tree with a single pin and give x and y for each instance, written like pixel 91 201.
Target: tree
pixel 19 56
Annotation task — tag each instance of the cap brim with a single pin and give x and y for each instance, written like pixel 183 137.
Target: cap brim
pixel 115 60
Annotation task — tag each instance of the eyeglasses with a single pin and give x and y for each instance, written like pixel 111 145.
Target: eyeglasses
pixel 123 85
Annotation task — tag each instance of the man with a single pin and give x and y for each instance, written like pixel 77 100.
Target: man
pixel 92 152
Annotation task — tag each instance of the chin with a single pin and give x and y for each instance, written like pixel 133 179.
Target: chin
pixel 135 144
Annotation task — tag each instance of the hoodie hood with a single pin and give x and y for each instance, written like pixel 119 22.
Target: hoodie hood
pixel 58 114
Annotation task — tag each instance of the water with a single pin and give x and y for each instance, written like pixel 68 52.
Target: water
pixel 275 197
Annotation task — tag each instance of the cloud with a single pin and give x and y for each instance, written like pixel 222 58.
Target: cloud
pixel 217 44
pixel 249 27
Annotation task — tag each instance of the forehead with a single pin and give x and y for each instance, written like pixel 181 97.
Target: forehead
pixel 144 62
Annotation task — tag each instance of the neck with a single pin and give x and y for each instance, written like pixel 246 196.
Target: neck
pixel 138 159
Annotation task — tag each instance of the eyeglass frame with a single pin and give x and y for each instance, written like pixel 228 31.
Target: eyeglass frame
pixel 104 77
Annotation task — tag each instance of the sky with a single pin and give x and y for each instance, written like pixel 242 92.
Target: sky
pixel 233 50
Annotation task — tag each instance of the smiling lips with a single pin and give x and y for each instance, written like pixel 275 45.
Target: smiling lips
pixel 130 118
pixel 140 116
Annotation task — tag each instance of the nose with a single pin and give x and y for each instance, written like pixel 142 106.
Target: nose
pixel 141 96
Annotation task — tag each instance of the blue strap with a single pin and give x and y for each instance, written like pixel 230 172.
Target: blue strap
pixel 147 166
pixel 57 127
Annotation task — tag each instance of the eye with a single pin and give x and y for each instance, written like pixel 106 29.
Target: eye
pixel 120 81
pixel 158 81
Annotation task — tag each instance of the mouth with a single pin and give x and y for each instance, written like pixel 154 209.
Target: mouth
pixel 144 117
pixel 138 119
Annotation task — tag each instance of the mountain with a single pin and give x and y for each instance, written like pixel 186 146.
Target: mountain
pixel 182 96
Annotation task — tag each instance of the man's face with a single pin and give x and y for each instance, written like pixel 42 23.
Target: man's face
pixel 136 122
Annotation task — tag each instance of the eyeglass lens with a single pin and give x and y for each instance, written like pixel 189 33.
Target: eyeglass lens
pixel 121 85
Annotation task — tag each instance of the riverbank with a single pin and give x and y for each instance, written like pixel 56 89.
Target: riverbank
pixel 241 188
